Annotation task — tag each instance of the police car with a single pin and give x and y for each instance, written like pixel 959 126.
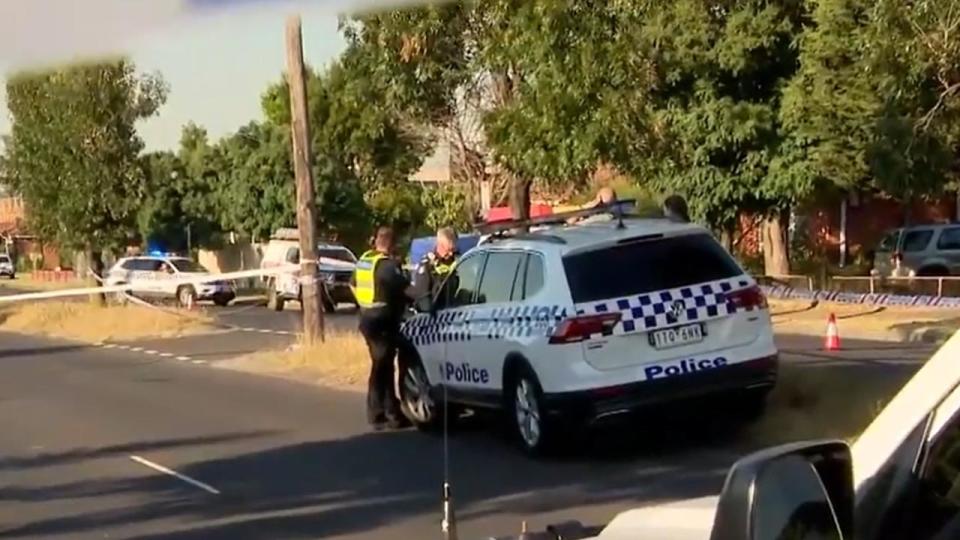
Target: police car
pixel 576 324
pixel 161 277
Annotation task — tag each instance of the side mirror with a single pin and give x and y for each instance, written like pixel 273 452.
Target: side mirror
pixel 798 491
pixel 424 304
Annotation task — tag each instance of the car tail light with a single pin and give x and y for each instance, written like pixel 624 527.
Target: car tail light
pixel 749 298
pixel 577 329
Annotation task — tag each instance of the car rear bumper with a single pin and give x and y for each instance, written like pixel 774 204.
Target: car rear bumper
pixel 601 403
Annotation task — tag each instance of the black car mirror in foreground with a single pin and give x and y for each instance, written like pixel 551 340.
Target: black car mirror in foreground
pixel 801 491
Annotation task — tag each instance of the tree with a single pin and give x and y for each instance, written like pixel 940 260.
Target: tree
pixel 257 192
pixel 719 73
pixel 182 206
pixel 73 151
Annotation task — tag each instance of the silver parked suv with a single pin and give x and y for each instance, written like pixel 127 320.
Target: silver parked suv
pixel 922 250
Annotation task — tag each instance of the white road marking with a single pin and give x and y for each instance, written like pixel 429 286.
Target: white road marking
pixel 265 331
pixel 199 361
pixel 175 474
pixel 109 346
pixel 183 358
pixel 137 349
pixel 150 351
pixel 166 354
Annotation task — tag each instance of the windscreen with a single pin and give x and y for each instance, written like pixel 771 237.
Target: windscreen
pixel 646 266
pixel 336 253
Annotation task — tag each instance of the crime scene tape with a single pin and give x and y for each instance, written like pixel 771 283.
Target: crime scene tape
pixel 133 287
pixel 874 299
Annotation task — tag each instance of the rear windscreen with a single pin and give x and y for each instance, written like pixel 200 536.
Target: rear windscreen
pixel 646 266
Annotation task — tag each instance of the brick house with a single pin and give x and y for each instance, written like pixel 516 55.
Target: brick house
pixel 852 225
pixel 17 240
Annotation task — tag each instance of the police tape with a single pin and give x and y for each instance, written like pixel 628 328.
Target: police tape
pixel 135 287
pixel 874 299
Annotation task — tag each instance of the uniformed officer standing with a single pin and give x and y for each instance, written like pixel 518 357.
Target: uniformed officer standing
pixel 381 291
pixel 675 209
pixel 436 265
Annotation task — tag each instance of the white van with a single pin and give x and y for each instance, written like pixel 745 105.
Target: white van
pixel 899 481
pixel 337 264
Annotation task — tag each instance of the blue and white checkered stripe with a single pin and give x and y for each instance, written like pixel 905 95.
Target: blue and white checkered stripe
pixel 478 323
pixel 650 311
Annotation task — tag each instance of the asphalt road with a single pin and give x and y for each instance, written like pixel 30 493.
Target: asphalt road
pixel 288 460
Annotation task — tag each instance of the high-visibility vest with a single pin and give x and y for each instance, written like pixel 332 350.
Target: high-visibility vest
pixel 365 283
pixel 441 269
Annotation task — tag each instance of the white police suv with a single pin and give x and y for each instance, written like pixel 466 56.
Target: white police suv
pixel 574 324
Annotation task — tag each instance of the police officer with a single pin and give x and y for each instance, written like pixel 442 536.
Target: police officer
pixel 675 209
pixel 436 265
pixel 381 291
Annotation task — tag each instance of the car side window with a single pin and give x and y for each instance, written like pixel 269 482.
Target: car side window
pixel 889 242
pixel 499 277
pixel 949 239
pixel 293 255
pixel 129 265
pixel 921 499
pixel 533 277
pixel 916 240
pixel 460 288
pixel 939 486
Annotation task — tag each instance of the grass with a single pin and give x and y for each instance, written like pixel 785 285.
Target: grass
pixel 818 403
pixel 92 323
pixel 26 283
pixel 342 360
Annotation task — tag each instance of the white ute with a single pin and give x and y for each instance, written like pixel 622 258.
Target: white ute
pixel 582 323
pixel 899 481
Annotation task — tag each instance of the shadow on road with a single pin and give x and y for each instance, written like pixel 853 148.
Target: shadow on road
pixel 80 454
pixel 362 483
pixel 40 351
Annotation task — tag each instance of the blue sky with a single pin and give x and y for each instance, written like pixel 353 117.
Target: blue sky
pixel 217 63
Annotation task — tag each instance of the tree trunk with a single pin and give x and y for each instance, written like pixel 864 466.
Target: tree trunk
pixel 775 257
pixel 95 259
pixel 726 236
pixel 520 197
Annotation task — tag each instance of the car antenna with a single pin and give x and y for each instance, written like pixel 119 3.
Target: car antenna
pixel 448 526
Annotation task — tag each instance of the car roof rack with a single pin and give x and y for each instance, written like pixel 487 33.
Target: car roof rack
pixel 619 209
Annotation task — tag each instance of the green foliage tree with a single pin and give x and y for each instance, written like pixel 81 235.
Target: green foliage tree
pixel 73 152
pixel 181 208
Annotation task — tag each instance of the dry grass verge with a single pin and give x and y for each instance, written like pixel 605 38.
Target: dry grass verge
pixel 820 403
pixel 27 283
pixel 341 361
pixel 92 323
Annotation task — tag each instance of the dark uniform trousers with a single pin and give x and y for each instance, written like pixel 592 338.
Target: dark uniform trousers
pixel 381 330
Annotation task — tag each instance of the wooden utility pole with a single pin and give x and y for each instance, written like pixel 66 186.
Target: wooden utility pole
pixel 306 196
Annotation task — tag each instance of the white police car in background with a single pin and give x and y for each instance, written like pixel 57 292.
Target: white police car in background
pixel 6 266
pixel 574 324
pixel 161 276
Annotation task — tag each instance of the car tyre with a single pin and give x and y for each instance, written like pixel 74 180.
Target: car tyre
pixel 274 300
pixel 186 296
pixel 415 400
pixel 222 300
pixel 529 424
pixel 328 305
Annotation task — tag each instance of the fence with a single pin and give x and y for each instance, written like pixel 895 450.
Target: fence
pixel 929 286
pixel 53 275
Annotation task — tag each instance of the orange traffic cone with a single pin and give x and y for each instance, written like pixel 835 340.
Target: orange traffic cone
pixel 832 342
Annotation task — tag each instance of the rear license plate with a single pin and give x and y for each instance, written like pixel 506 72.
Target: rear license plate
pixel 675 337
